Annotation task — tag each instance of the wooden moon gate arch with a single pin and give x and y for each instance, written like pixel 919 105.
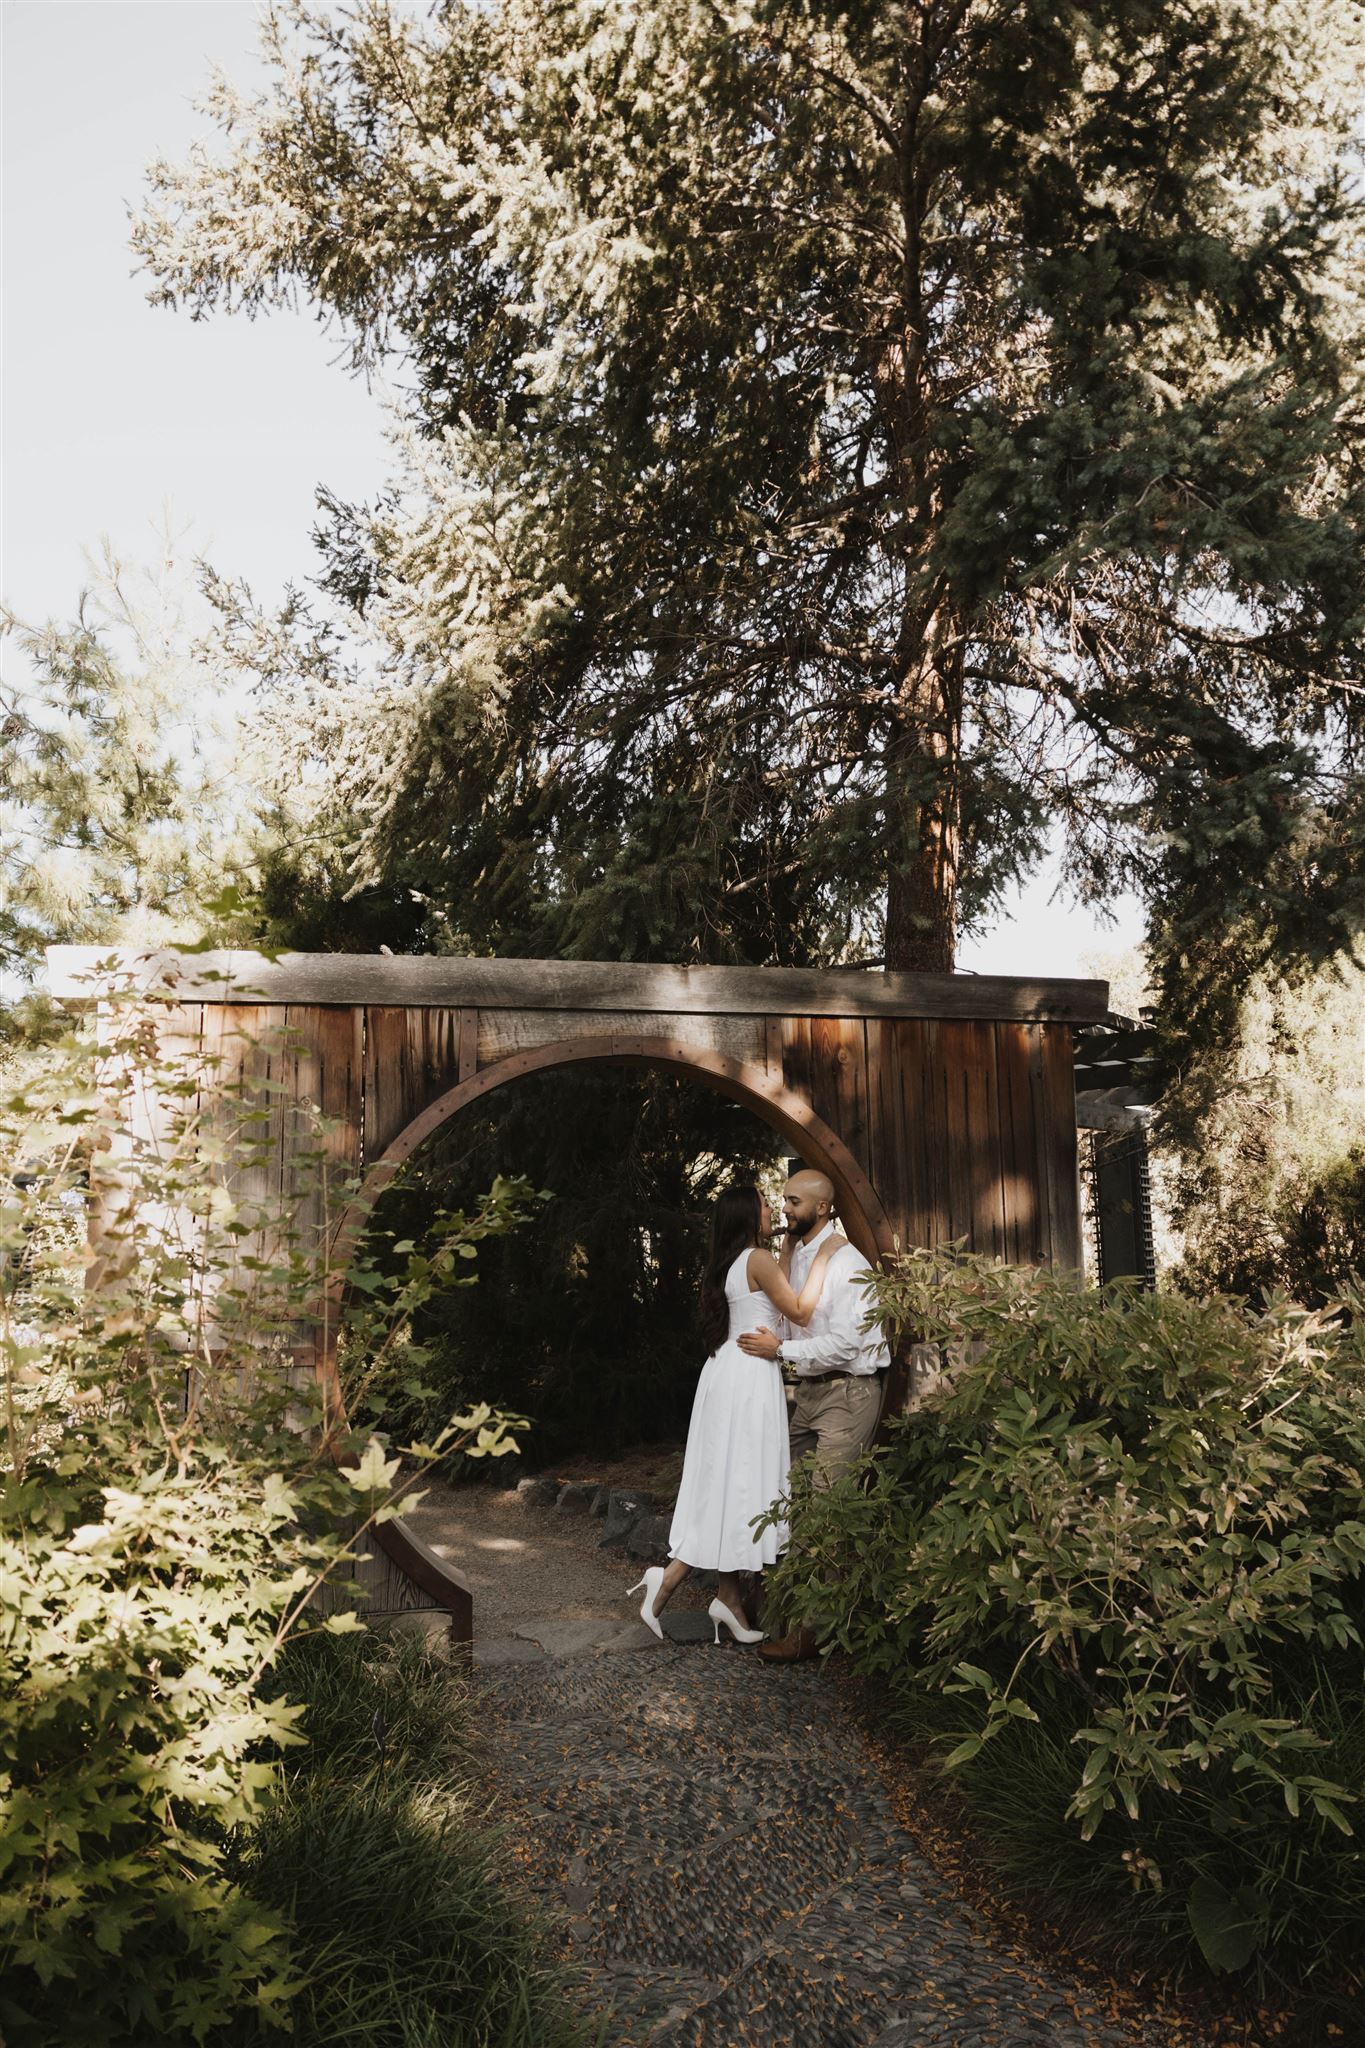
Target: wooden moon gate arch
pixel 941 1106
pixel 864 1219
pixel 862 1215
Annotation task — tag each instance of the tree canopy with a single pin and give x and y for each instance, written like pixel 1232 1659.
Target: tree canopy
pixel 834 445
pixel 131 809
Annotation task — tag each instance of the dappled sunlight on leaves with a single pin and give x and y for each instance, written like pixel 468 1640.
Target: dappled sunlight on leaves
pixel 178 1504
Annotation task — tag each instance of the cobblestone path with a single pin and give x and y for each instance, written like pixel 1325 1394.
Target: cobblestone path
pixel 712 1835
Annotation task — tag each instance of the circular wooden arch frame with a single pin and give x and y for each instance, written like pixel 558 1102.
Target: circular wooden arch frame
pixel 756 1088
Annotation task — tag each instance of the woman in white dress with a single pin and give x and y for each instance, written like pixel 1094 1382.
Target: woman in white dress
pixel 735 1464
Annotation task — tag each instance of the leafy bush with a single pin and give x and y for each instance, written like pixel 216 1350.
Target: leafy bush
pixel 378 1858
pixel 1268 1190
pixel 1308 1241
pixel 1121 1548
pixel 170 1508
pixel 1287 1900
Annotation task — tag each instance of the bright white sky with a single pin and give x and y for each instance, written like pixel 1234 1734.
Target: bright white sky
pixel 113 411
pixel 112 408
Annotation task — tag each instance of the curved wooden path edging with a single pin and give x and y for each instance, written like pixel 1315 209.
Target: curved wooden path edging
pixel 755 1087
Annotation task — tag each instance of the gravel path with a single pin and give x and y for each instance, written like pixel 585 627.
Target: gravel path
pixel 731 1872
pixel 712 1832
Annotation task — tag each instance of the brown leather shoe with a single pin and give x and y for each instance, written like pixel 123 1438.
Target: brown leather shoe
pixel 793 1649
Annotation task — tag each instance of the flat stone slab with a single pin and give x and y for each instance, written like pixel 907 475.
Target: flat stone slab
pixel 500 1650
pixel 626 1635
pixel 603 1636
pixel 688 1625
pixel 566 1638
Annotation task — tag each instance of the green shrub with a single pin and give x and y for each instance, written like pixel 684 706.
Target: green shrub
pixel 1292 1899
pixel 402 1929
pixel 1120 1549
pixel 1267 1190
pixel 167 1513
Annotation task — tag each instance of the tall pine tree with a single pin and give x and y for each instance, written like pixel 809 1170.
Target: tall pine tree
pixel 837 443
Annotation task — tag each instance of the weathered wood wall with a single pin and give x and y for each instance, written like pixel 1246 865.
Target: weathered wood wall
pixel 964 1126
pixel 952 1095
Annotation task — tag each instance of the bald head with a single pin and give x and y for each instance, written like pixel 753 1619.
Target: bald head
pixel 807 1202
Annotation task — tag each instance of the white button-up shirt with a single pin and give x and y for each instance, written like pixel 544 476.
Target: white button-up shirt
pixel 834 1340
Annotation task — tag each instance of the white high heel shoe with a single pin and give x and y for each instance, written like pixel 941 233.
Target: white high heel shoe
pixel 651 1582
pixel 718 1612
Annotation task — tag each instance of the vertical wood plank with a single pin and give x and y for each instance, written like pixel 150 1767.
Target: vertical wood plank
pixel 997 1110
pixel 772 1042
pixel 957 1144
pixel 232 1109
pixel 379 1034
pixel 1042 1153
pixel 441 1034
pixel 856 1104
pixel 796 1055
pixel 1063 1166
pixel 982 1097
pixel 158 1115
pixel 386 1077
pixel 939 1078
pixel 258 1059
pixel 279 1105
pixel 341 1042
pixel 923 1113
pixel 154 1117
pixel 886 1129
pixel 1054 1141
pixel 1024 1217
pixel 411 1056
pixel 339 1038
pixel 468 1057
pixel 305 1177
pixel 838 1079
pixel 323 1068
pixel 975 1138
pixel 827 1057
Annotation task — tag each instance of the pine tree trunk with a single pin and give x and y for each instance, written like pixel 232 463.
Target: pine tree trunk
pixel 924 807
pixel 924 752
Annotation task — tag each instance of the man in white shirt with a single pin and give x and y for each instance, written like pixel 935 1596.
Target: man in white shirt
pixel 838 1363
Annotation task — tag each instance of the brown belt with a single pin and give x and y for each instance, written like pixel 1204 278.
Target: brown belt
pixel 818 1379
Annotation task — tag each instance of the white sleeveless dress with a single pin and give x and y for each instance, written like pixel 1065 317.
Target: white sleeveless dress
pixel 735 1465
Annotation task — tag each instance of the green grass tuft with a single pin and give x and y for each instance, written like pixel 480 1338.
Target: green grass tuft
pixel 383 1862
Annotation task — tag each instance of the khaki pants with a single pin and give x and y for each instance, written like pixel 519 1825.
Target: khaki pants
pixel 833 1422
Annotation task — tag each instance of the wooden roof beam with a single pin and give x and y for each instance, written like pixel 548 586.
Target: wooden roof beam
pixel 76 973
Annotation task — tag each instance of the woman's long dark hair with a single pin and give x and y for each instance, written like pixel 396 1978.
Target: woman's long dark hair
pixel 735 1228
